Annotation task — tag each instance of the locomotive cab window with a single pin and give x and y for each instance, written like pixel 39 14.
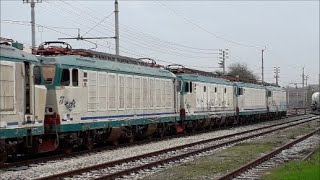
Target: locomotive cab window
pixel 240 91
pixel 204 88
pixel 225 90
pixel 187 87
pixel 75 79
pixel 36 75
pixel 215 89
pixel 269 93
pixel 65 77
pixel 48 73
pixel 179 88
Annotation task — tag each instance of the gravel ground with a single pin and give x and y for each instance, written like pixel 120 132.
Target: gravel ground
pixel 51 167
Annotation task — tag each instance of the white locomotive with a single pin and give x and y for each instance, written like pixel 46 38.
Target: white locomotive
pixel 22 102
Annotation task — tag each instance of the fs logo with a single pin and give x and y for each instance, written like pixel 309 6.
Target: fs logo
pixel 68 104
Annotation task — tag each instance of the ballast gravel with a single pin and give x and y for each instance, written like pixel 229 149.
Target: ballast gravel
pixel 58 166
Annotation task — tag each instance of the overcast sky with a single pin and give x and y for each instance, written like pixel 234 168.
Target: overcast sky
pixel 184 32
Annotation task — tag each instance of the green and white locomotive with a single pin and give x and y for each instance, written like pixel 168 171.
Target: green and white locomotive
pixel 22 102
pixel 90 100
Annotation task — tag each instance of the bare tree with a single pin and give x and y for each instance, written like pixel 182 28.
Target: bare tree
pixel 218 72
pixel 242 71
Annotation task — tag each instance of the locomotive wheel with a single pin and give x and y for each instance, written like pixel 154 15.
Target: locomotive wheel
pixel 3 156
pixel 130 139
pixel 129 136
pixel 67 149
pixel 115 143
pixel 89 144
pixel 3 152
pixel 160 133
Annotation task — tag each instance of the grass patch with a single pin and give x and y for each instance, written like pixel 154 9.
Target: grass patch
pixel 296 170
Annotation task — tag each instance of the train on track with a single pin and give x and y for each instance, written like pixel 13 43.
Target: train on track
pixel 62 98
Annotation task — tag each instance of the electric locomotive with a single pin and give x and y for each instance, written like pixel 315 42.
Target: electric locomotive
pixel 98 97
pixel 277 101
pixel 22 102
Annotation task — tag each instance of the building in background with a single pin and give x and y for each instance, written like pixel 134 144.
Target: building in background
pixel 297 96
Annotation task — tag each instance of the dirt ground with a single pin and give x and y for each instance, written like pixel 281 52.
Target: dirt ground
pixel 215 165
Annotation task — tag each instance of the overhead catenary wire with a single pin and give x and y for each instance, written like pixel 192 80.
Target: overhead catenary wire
pixel 26 23
pixel 142 45
pixel 207 31
pixel 143 34
pixel 132 40
pixel 98 24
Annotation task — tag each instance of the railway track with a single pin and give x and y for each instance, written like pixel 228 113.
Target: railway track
pixel 288 152
pixel 122 167
pixel 59 156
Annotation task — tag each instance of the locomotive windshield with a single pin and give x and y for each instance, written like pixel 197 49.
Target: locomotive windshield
pixel 48 72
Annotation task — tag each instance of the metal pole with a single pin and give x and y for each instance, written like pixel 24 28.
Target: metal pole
pixel 277 71
pixel 287 97
pixel 306 98
pixel 262 67
pixel 303 89
pixel 303 77
pixel 297 100
pixel 224 62
pixel 33 27
pixel 116 13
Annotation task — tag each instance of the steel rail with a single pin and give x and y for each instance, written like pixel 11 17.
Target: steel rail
pixel 308 156
pixel 156 153
pixel 266 157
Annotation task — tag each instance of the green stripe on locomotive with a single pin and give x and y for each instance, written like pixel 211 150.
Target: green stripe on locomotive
pixel 20 132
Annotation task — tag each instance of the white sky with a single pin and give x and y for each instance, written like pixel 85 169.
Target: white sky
pixel 289 30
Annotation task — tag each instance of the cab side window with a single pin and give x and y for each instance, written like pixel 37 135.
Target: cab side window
pixel 187 87
pixel 37 75
pixel 240 91
pixel 75 79
pixel 65 77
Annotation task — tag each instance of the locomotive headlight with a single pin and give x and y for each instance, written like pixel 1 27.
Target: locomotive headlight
pixel 67 117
